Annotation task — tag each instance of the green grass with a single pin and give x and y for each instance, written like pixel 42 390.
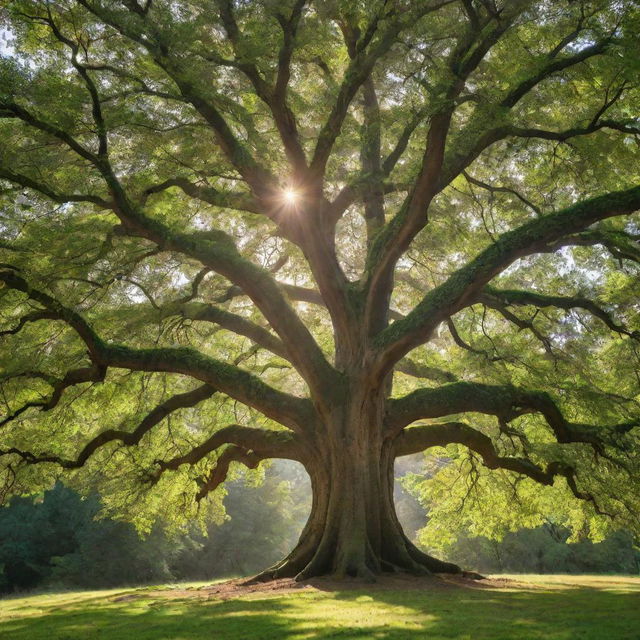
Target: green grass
pixel 552 608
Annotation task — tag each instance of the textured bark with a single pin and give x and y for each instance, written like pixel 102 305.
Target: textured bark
pixel 353 529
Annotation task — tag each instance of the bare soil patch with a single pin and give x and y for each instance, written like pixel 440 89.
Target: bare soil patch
pixel 242 587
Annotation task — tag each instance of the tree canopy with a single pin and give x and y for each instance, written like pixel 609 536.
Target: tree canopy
pixel 330 231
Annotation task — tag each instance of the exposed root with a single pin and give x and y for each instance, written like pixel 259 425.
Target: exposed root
pixel 301 567
pixel 386 581
pixel 472 575
pixel 432 564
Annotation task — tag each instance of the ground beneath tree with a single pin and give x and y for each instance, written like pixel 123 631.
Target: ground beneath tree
pixel 395 608
pixel 242 587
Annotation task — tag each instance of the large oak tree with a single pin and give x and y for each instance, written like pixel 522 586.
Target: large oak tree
pixel 331 231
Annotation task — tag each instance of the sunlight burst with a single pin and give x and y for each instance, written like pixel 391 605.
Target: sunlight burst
pixel 290 196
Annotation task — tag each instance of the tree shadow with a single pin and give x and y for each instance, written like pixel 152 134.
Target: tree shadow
pixel 583 613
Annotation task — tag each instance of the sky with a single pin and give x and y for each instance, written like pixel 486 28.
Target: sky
pixel 5 42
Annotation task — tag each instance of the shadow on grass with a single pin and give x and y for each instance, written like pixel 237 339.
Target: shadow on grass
pixel 559 614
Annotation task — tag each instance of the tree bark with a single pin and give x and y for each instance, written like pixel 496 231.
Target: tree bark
pixel 353 529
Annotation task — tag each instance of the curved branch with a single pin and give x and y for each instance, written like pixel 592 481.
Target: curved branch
pixel 218 474
pixel 239 201
pixel 61 198
pixel 273 96
pixel 34 316
pixel 402 142
pixel 504 401
pixel 396 236
pixel 287 409
pixel 553 66
pixel 464 345
pixel 498 297
pixel 497 189
pixel 230 321
pixel 74 377
pixel 12 110
pixel 522 324
pixel 621 245
pixel 177 69
pixel 270 444
pixel 128 438
pixel 561 136
pixel 464 285
pixel 247 445
pixel 368 51
pixel 356 191
pixel 214 250
pixel 468 145
pixel 417 370
pixel 419 438
pixel 290 410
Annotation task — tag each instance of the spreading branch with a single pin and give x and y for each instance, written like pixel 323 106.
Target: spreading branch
pixel 463 286
pixel 127 438
pixel 247 445
pixel 498 298
pixel 420 438
pixel 287 409
pixel 503 401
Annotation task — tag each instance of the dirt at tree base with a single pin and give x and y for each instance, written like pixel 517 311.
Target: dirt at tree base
pixel 241 587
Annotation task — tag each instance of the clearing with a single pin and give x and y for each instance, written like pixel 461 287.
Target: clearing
pixel 402 608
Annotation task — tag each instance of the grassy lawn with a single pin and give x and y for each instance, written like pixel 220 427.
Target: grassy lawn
pixel 550 607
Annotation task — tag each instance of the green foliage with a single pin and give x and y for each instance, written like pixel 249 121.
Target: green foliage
pixel 32 535
pixel 165 192
pixel 545 550
pixel 261 526
pixel 61 539
pixel 56 539
pixel 463 498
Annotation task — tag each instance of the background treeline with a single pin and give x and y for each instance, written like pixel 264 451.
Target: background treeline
pixel 58 540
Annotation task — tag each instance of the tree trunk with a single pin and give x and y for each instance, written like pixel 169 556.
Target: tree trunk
pixel 353 529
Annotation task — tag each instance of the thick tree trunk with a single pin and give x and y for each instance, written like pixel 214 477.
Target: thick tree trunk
pixel 353 529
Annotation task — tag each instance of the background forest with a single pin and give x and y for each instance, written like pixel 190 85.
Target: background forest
pixel 58 539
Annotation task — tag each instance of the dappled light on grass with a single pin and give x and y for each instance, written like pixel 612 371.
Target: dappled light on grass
pixel 549 608
pixel 624 584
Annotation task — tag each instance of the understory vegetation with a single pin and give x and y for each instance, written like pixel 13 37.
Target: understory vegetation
pixel 60 540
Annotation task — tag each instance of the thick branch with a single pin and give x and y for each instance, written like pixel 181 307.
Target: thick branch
pixel 218 474
pixel 217 251
pixel 396 236
pixel 247 445
pixel 269 444
pixel 504 401
pixel 368 51
pixel 273 96
pixel 417 370
pixel 128 438
pixel 287 409
pixel 463 286
pixel 178 70
pixel 419 438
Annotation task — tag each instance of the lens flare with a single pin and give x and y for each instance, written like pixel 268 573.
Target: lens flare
pixel 290 196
